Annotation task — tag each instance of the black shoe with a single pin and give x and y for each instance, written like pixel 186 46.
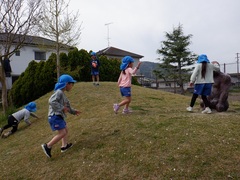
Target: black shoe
pixel 46 150
pixel 63 149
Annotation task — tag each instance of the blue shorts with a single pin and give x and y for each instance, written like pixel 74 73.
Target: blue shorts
pixel 94 73
pixel 56 122
pixel 203 89
pixel 125 91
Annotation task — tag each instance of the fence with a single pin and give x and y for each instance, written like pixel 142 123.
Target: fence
pixel 230 67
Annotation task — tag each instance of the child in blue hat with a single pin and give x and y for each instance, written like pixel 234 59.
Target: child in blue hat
pixel 202 79
pixel 125 82
pixel 15 118
pixel 95 64
pixel 59 105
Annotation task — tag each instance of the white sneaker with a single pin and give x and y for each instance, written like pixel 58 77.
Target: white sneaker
pixel 207 110
pixel 190 109
pixel 126 111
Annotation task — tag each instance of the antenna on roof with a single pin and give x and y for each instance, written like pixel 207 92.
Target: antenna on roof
pixel 108 38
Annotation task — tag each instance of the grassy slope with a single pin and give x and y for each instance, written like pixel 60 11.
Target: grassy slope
pixel 160 140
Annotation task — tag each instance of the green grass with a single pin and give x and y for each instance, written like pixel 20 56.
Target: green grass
pixel 159 140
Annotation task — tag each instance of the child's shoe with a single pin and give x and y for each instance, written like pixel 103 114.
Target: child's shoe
pixel 116 108
pixel 189 109
pixel 207 110
pixel 46 150
pixel 126 111
pixel 69 145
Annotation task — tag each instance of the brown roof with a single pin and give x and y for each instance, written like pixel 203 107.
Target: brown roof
pixel 112 51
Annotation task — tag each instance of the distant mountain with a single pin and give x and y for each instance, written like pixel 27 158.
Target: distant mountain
pixel 147 69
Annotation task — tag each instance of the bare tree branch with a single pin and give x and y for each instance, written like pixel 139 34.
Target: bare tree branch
pixel 17 20
pixel 59 25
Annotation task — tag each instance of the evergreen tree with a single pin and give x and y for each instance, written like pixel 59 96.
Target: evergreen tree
pixel 63 60
pixel 109 69
pixel 175 57
pixel 84 63
pixel 37 80
pixel 23 92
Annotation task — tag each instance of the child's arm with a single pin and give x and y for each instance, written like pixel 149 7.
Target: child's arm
pixel 34 115
pixel 27 122
pixel 69 109
pixel 136 68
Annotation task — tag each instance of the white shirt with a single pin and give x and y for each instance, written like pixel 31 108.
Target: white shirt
pixel 196 76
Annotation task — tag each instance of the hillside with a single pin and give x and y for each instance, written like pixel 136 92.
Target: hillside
pixel 147 69
pixel 159 140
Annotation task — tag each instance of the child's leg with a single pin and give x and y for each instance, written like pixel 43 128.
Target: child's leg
pixel 64 139
pixel 205 100
pixel 14 127
pixel 12 122
pixel 125 102
pixel 97 76
pixel 193 100
pixel 93 78
pixel 6 126
pixel 58 137
pixel 129 101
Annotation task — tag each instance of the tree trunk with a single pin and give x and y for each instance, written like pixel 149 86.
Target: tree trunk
pixel 4 89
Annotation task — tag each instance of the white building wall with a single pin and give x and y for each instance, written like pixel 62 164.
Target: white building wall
pixel 20 63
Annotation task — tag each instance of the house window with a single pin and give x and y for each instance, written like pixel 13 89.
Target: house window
pixel 17 53
pixel 40 55
pixel 168 84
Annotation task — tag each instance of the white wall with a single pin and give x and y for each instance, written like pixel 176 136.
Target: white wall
pixel 8 83
pixel 20 63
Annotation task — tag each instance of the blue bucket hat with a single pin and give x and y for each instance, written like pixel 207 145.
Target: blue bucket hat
pixel 63 80
pixel 93 54
pixel 32 107
pixel 203 58
pixel 125 61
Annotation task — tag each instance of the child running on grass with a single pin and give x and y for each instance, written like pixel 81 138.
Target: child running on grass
pixel 125 82
pixel 59 105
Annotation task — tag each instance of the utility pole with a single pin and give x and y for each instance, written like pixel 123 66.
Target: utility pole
pixel 237 67
pixel 108 38
pixel 237 63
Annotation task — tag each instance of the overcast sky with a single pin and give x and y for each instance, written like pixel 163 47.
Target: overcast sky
pixel 139 26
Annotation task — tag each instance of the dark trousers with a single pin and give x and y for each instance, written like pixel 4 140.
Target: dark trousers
pixel 12 122
pixel 204 98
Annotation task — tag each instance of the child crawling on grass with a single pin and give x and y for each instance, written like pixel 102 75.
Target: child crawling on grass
pixel 15 118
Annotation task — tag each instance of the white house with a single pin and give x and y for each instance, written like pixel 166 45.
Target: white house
pixel 34 48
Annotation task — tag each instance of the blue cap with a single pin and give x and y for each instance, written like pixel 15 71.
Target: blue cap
pixel 203 58
pixel 63 80
pixel 93 54
pixel 32 107
pixel 125 61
